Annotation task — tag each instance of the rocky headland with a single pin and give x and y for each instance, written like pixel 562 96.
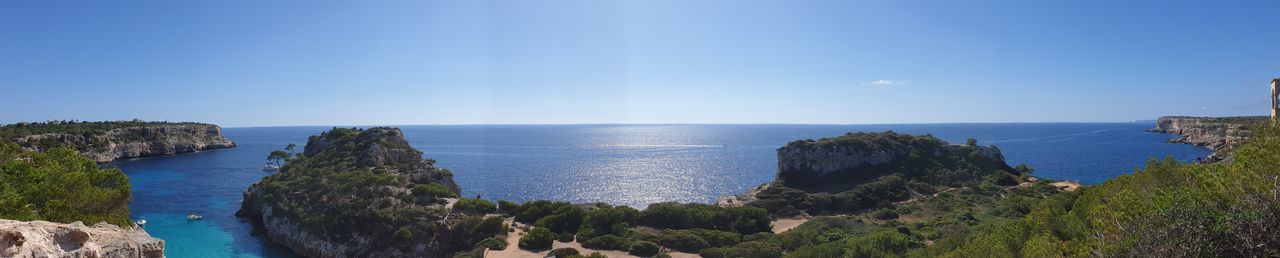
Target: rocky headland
pixel 30 239
pixel 1221 134
pixel 108 141
pixel 358 193
pixel 862 156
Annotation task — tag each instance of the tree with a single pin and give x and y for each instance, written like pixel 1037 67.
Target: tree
pixel 971 142
pixel 290 148
pixel 277 156
pixel 537 239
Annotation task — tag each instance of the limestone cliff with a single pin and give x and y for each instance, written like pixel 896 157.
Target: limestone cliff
pixel 108 141
pixel 356 193
pixel 1217 133
pixel 860 156
pixel 48 239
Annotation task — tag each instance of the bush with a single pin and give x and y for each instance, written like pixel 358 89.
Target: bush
pixel 608 242
pixel 744 220
pixel 432 191
pixel 474 206
pixel 744 250
pixel 493 243
pixel 564 252
pixel 559 217
pixel 644 248
pixel 683 241
pixel 885 214
pixel 60 185
pixel 610 220
pixel 564 237
pixel 537 239
pixel 476 229
pixel 508 207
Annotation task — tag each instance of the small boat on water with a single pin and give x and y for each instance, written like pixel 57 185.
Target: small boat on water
pixel 141 222
pixel 270 167
pixel 193 216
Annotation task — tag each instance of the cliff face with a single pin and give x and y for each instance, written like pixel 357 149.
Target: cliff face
pixel 1219 134
pixel 865 156
pixel 48 239
pixel 134 141
pixel 375 169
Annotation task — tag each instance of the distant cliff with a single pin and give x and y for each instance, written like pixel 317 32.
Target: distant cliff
pixel 108 141
pixel 884 175
pixel 1218 133
pixel 47 239
pixel 860 156
pixel 357 193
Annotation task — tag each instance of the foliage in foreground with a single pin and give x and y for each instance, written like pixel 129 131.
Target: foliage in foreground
pixel 59 185
pixel 1167 209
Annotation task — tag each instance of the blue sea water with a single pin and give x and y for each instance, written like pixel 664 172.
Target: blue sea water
pixel 619 164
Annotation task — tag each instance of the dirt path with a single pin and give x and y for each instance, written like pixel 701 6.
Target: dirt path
pixel 785 224
pixel 513 247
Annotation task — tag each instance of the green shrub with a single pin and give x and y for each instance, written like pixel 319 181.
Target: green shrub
pixel 559 217
pixel 563 252
pixel 60 185
pixel 508 207
pixel 608 242
pixel 474 206
pixel 885 214
pixel 537 239
pixel 744 220
pixel 564 237
pixel 493 243
pixel 432 191
pixel 744 250
pixel 644 248
pixel 684 241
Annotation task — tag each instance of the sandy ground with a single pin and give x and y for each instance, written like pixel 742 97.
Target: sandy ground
pixel 1066 185
pixel 784 224
pixel 513 249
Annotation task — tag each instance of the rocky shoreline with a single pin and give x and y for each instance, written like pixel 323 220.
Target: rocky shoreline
pixel 380 153
pixel 1220 134
pixel 49 239
pixel 133 141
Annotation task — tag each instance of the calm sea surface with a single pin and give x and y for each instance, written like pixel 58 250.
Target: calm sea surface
pixel 619 164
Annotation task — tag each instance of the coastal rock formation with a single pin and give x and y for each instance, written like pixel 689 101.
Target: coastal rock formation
pixel 48 239
pixel 140 139
pixel 859 156
pixel 356 193
pixel 1218 133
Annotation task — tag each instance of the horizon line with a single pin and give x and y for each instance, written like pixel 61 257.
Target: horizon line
pixel 666 123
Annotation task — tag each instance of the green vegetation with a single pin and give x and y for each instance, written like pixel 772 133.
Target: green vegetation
pixel 277 156
pixel 1166 209
pixel 370 183
pixel 59 185
pixel 89 131
pixel 926 166
pixel 474 206
pixel 538 238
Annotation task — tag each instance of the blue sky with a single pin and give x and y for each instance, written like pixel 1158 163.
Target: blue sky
pixel 262 63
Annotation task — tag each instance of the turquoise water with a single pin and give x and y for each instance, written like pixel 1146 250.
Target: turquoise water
pixel 620 164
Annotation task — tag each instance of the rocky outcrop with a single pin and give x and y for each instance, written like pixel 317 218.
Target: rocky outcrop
pixel 152 139
pixel 1217 133
pixel 47 239
pixel 373 151
pixel 857 156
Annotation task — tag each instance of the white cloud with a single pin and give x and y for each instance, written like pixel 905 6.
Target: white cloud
pixel 887 82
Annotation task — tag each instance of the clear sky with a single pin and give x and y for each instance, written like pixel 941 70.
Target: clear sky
pixel 263 63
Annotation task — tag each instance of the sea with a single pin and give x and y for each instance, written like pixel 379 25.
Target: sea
pixel 621 164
